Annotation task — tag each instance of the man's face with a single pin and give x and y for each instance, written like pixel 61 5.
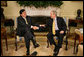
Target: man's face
pixel 23 14
pixel 52 15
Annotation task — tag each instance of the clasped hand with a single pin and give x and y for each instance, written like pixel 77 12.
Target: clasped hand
pixel 35 27
pixel 42 25
pixel 61 32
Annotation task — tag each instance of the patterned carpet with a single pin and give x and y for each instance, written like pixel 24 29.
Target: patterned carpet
pixel 42 50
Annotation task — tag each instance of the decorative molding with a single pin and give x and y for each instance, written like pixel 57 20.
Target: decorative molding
pixel 32 11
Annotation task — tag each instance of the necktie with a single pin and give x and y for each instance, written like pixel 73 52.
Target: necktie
pixel 26 20
pixel 53 27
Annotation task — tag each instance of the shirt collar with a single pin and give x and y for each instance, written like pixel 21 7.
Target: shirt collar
pixel 24 17
pixel 55 18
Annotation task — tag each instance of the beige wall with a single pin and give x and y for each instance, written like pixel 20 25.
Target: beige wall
pixel 68 9
pixel 12 9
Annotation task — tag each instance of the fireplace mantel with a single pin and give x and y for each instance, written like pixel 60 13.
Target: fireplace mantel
pixel 32 11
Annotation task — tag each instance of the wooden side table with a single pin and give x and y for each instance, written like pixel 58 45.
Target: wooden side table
pixel 10 23
pixel 75 21
pixel 3 35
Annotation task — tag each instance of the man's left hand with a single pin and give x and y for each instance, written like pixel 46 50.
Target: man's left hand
pixel 35 27
pixel 61 32
pixel 42 25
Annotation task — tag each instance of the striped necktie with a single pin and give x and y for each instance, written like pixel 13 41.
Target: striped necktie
pixel 53 27
pixel 26 20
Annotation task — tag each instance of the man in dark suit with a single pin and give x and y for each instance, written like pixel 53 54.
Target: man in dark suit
pixel 25 28
pixel 57 27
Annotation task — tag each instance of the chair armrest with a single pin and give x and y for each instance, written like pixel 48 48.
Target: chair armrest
pixel 67 30
pixel 15 32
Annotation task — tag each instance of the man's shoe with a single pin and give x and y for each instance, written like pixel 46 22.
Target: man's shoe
pixel 56 53
pixel 34 53
pixel 55 49
pixel 37 45
pixel 27 54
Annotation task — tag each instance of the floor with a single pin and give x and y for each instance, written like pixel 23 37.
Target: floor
pixel 41 51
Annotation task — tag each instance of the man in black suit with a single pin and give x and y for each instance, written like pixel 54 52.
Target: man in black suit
pixel 57 27
pixel 25 28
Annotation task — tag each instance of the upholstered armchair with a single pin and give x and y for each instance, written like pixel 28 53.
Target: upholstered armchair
pixel 17 37
pixel 66 36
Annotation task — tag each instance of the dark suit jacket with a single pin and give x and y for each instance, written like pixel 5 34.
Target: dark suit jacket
pixel 22 27
pixel 60 22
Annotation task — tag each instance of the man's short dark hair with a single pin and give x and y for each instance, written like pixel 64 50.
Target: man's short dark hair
pixel 22 10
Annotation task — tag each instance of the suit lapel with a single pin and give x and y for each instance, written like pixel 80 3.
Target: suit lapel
pixel 23 20
pixel 52 21
pixel 56 19
pixel 27 18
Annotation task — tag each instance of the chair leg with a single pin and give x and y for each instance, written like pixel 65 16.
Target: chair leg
pixel 77 48
pixel 16 43
pixel 47 44
pixel 66 44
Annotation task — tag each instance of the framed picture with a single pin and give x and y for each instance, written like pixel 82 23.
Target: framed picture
pixel 4 3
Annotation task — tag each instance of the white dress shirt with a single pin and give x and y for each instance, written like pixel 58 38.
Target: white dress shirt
pixel 56 26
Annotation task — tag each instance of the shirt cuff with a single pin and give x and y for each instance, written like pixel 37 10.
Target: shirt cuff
pixel 38 27
pixel 31 26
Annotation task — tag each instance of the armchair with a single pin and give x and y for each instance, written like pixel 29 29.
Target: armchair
pixel 65 37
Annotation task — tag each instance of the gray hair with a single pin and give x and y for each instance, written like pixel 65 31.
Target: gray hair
pixel 54 12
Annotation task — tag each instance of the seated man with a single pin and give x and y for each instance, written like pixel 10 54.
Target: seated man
pixel 24 28
pixel 57 27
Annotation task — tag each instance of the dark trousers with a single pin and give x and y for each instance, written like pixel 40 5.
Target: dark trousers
pixel 60 38
pixel 28 36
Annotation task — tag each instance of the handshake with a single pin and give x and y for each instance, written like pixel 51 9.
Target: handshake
pixel 35 27
pixel 42 25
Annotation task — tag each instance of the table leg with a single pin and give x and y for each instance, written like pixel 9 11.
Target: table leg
pixel 74 43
